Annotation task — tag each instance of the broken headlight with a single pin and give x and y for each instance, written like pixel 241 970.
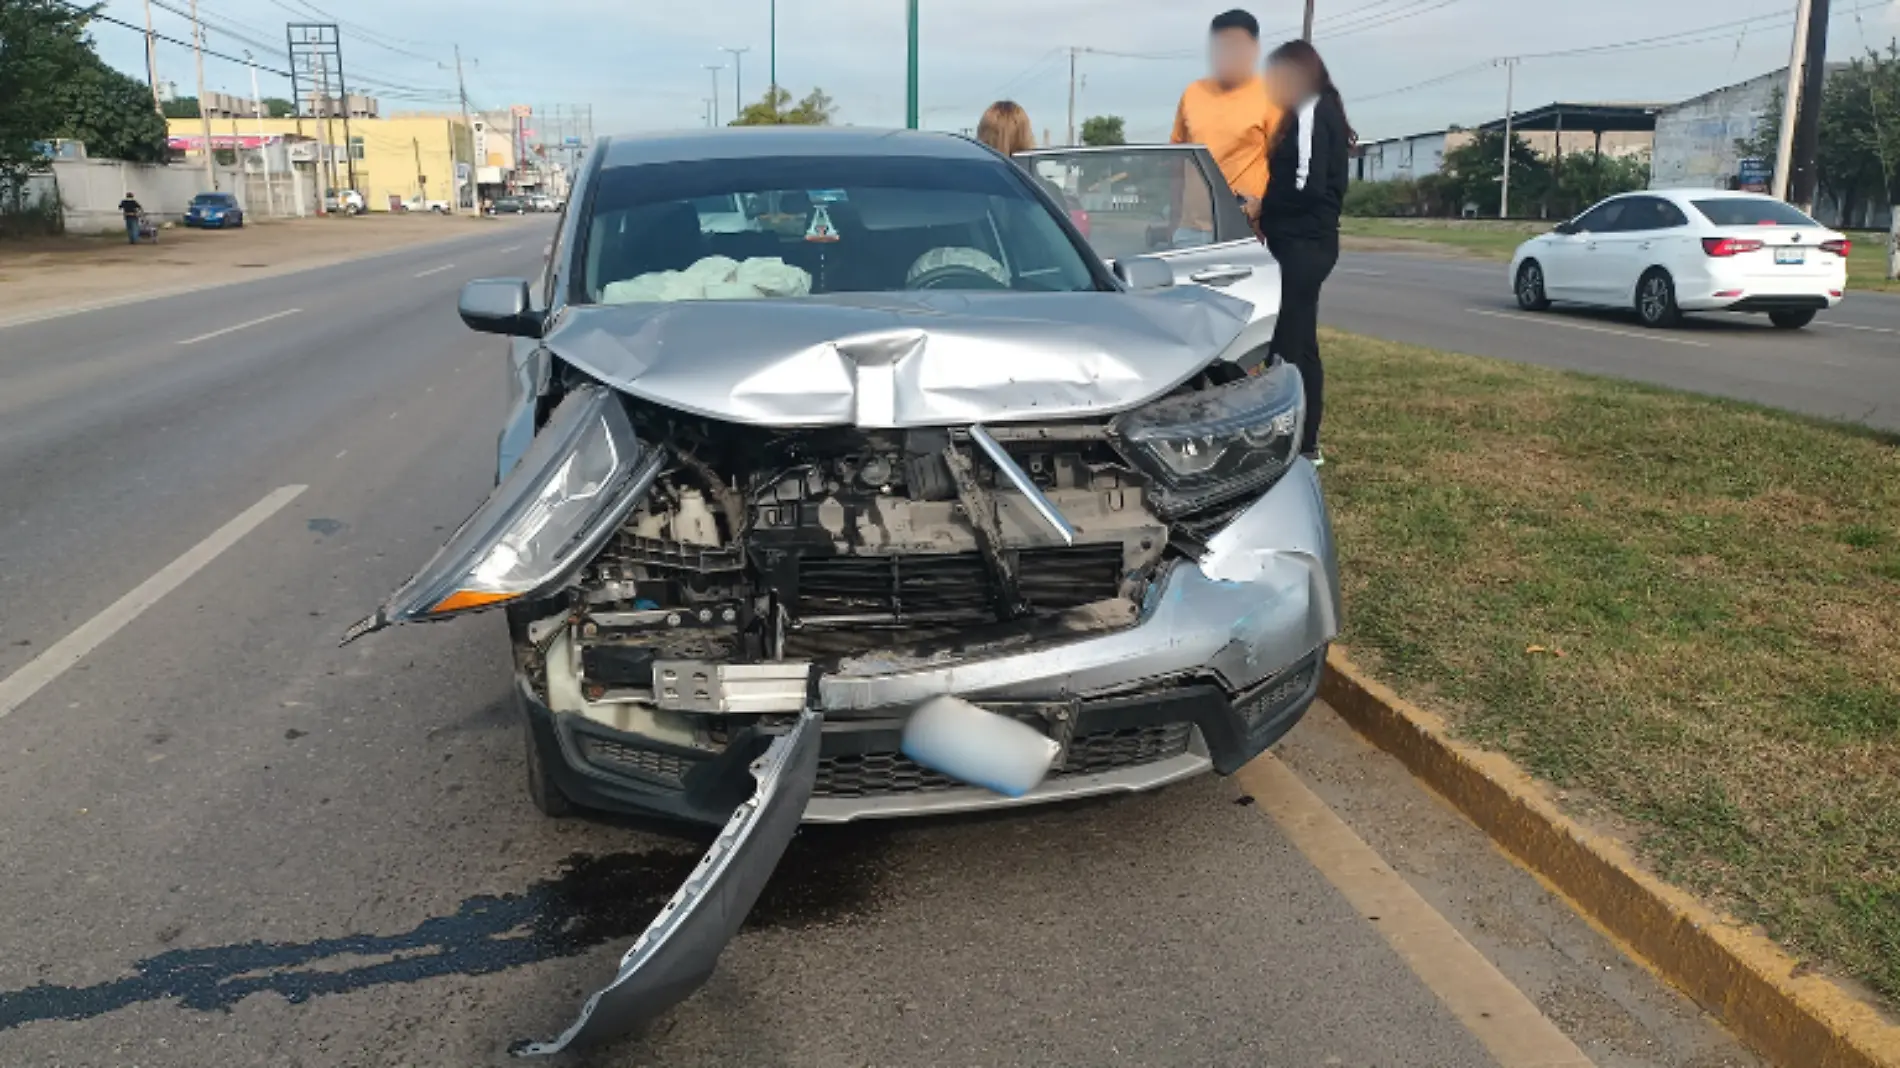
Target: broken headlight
pixel 582 475
pixel 1213 445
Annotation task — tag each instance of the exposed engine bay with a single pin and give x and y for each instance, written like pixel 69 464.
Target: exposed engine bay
pixel 847 549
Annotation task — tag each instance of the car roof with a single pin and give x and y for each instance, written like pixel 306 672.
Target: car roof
pixel 760 142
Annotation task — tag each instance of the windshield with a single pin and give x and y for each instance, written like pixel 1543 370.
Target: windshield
pixel 1750 211
pixel 209 200
pixel 788 227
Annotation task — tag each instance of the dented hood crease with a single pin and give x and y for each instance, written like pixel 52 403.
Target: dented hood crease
pixel 903 359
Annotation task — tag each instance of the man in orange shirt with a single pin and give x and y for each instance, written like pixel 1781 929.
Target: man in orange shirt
pixel 1231 114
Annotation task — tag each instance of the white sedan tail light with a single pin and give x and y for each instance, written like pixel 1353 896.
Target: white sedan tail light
pixel 1840 248
pixel 1724 247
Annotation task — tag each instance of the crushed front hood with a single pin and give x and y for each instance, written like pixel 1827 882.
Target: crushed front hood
pixel 903 359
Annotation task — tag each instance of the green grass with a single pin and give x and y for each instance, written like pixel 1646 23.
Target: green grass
pixel 1683 611
pixel 1496 240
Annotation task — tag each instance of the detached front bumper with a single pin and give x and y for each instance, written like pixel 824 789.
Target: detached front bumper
pixel 1223 658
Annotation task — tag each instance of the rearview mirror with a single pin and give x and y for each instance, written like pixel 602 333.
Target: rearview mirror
pixel 498 306
pixel 1144 272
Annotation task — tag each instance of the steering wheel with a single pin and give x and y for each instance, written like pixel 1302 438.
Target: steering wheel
pixel 955 276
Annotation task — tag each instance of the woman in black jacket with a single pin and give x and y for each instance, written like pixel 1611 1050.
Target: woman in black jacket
pixel 1299 216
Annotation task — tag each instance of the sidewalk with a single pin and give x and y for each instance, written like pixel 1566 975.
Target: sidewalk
pixel 47 275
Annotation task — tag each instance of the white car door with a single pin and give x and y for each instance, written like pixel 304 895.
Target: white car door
pixel 1132 200
pixel 1577 270
pixel 1628 249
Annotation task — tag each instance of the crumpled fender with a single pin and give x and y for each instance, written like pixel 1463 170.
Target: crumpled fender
pixel 675 955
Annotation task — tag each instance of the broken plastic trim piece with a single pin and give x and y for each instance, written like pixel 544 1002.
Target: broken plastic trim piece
pixel 676 954
pixel 1026 486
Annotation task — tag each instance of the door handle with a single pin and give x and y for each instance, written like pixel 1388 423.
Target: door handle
pixel 1220 276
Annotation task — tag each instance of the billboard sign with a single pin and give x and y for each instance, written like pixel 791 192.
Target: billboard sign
pixel 1753 175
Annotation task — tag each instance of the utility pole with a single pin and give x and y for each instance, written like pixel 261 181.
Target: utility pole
pixel 1804 174
pixel 738 89
pixel 910 96
pixel 1791 100
pixel 1306 33
pixel 204 116
pixel 461 92
pixel 151 59
pixel 774 33
pixel 1510 87
pixel 714 69
pixel 343 87
pixel 1072 51
pixel 263 143
pixel 323 127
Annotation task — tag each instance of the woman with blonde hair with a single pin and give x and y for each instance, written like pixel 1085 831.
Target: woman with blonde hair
pixel 1005 128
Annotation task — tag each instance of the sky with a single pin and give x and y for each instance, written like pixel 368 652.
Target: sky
pixel 1404 66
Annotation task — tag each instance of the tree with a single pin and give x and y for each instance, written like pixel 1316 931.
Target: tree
pixel 1581 179
pixel 110 112
pixel 181 107
pixel 775 108
pixel 277 107
pixel 1473 173
pixel 1103 130
pixel 42 43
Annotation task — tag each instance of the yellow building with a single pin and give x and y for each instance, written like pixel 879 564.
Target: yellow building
pixel 399 158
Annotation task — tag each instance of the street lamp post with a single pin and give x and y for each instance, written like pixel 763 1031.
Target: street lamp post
pixel 774 34
pixel 714 69
pixel 738 89
pixel 910 110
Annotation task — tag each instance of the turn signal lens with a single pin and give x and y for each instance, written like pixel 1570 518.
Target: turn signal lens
pixel 1724 247
pixel 461 599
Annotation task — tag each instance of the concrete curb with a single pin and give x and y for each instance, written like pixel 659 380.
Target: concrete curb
pixel 1756 989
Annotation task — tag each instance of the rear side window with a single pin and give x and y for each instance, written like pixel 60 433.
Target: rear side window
pixel 1749 211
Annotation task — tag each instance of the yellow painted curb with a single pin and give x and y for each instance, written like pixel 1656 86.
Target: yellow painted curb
pixel 1801 1021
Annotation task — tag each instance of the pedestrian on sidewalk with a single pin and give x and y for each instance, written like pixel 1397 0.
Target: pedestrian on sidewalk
pixel 129 208
pixel 1299 217
pixel 1231 114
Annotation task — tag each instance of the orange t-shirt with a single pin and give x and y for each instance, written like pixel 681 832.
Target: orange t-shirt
pixel 1236 125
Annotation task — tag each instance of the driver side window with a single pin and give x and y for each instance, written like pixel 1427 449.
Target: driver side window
pixel 1601 219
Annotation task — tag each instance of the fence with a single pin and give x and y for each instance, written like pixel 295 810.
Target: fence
pixel 90 190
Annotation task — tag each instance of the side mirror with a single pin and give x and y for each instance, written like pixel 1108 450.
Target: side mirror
pixel 1564 228
pixel 1144 272
pixel 498 306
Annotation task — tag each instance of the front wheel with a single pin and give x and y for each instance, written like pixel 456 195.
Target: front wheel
pixel 1791 320
pixel 1530 287
pixel 1656 300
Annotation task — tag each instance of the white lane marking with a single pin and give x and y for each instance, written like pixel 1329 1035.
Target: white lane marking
pixel 1362 270
pixel 340 455
pixel 510 248
pixel 240 326
pixel 395 413
pixel 64 653
pixel 434 270
pixel 1551 320
pixel 1490 1006
pixel 1857 326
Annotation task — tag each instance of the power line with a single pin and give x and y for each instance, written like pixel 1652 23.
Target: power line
pixel 140 30
pixel 1411 11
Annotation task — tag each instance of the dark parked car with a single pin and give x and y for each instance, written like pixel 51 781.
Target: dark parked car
pixel 217 210
pixel 508 206
pixel 899 441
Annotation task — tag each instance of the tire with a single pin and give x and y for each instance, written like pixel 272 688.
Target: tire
pixel 1656 300
pixel 1530 287
pixel 1791 320
pixel 547 797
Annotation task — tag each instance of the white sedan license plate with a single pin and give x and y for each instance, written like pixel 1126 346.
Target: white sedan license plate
pixel 1790 255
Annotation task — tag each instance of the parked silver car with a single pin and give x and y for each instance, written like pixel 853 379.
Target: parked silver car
pixel 765 489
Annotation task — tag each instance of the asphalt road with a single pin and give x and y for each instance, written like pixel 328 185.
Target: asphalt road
pixel 227 841
pixel 1844 366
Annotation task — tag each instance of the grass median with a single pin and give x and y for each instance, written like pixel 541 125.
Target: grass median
pixel 1683 612
pixel 1497 239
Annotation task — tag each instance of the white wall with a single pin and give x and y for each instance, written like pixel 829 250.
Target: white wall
pixel 90 190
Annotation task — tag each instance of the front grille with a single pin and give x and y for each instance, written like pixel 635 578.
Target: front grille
pixel 886 774
pixel 663 768
pixel 952 585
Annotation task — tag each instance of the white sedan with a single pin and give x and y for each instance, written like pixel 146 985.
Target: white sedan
pixel 1669 251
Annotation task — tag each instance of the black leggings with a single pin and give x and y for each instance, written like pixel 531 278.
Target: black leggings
pixel 1305 262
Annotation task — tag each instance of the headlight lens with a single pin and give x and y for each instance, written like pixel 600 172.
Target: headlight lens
pixel 578 480
pixel 1206 447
